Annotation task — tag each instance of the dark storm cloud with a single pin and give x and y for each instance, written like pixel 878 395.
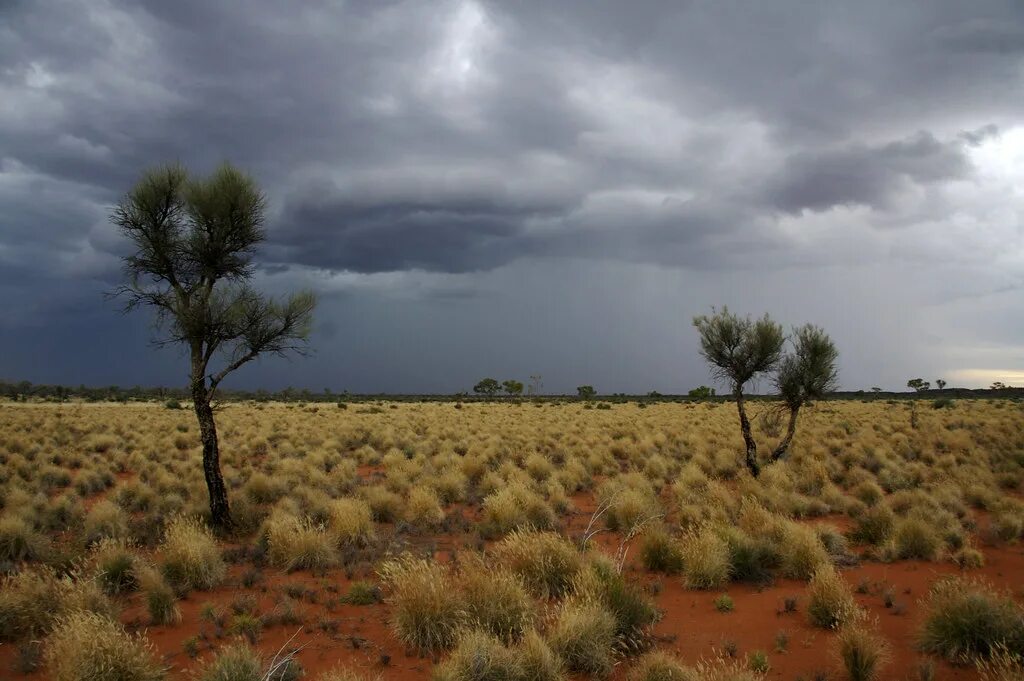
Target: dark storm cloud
pixel 426 146
pixel 868 176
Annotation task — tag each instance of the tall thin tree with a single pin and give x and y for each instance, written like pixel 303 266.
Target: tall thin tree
pixel 738 349
pixel 194 240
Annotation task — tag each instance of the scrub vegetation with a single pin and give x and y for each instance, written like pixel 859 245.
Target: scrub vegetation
pixel 514 540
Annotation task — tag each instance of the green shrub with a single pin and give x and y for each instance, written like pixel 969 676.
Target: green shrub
pixel 967 619
pixel 584 636
pixel 363 593
pixel 758 662
pixel 830 604
pixel 89 647
pixel 191 559
pixel 724 603
pixel 750 559
pixel 546 561
pixel 427 613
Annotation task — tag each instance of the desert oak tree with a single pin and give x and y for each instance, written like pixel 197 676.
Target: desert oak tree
pixel 738 349
pixel 194 240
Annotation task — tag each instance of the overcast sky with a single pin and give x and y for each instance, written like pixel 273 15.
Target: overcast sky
pixel 532 187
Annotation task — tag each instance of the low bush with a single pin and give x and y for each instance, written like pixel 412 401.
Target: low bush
pixel 191 559
pixel 874 526
pixel 537 661
pixel 830 604
pixel 968 619
pixel 88 647
pixel 423 509
pixel 427 615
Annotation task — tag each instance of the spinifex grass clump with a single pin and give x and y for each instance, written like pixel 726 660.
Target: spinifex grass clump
pixel 862 653
pixel 89 647
pixel 830 604
pixel 350 522
pixel 660 552
pixel 117 566
pixel 191 559
pixel 496 601
pixel 546 561
pixel 32 600
pixel 634 612
pixel 660 666
pixel 968 619
pixel 298 543
pixel 584 636
pixel 513 507
pixel 19 542
pixel 427 610
pixel 705 559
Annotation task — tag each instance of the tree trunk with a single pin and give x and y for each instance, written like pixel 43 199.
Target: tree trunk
pixel 220 512
pixel 748 439
pixel 783 447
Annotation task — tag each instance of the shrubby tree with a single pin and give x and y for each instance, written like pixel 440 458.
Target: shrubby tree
pixel 512 387
pixel 701 393
pixel 738 350
pixel 918 384
pixel 808 373
pixel 586 392
pixel 194 239
pixel 940 383
pixel 488 387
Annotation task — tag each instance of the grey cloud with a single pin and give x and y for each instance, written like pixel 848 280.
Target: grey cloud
pixel 868 176
pixel 404 139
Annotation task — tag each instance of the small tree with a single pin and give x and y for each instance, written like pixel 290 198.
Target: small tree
pixel 739 349
pixel 998 385
pixel 194 241
pixel 940 383
pixel 512 387
pixel 488 387
pixel 586 392
pixel 918 384
pixel 805 375
pixel 876 389
pixel 701 393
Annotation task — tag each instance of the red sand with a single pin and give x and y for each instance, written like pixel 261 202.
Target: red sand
pixel 360 636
